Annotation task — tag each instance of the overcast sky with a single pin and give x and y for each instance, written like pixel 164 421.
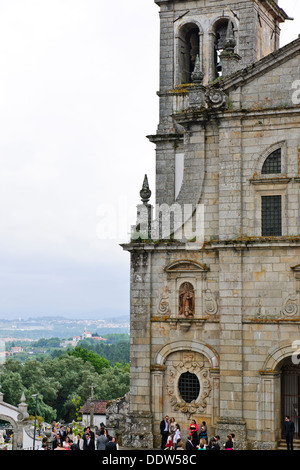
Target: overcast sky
pixel 78 82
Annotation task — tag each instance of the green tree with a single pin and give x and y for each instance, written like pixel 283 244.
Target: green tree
pixel 99 363
pixel 114 383
pixel 12 387
pixel 59 383
pixel 48 413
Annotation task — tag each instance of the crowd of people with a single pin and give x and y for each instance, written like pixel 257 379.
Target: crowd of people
pixel 64 439
pixel 197 439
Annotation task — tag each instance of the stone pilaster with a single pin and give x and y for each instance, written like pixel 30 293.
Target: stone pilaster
pixel 231 335
pixel 139 421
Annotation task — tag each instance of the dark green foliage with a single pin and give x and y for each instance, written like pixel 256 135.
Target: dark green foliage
pixel 61 381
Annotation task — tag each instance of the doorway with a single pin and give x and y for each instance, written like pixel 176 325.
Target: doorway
pixel 290 394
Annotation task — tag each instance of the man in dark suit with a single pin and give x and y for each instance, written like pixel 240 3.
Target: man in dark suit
pixel 92 434
pixel 289 431
pixel 88 442
pixel 189 445
pixel 164 431
pixel 62 434
pixel 110 445
pixel 73 446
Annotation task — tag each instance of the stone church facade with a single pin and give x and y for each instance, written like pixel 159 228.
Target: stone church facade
pixel 215 292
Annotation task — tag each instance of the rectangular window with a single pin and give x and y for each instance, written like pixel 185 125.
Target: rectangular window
pixel 271 216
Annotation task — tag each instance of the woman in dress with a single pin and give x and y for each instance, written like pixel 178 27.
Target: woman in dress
pixel 66 443
pixel 176 437
pixel 203 431
pixel 193 429
pixel 70 433
pixel 172 428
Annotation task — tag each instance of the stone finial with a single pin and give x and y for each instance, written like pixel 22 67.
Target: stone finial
pixel 196 92
pixel 23 409
pixel 230 61
pixel 197 75
pixel 145 192
pixel 229 41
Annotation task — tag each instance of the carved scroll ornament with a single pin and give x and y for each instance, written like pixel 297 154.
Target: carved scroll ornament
pixel 188 365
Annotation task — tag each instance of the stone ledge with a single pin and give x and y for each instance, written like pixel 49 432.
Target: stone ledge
pixel 279 180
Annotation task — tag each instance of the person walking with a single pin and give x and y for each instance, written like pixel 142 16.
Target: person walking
pixel 289 431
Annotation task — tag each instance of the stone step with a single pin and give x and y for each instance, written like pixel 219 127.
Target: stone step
pixel 282 444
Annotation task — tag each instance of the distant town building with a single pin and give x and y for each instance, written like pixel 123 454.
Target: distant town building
pixel 86 334
pixel 16 349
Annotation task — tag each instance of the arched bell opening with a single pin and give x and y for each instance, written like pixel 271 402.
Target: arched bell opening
pixel 188 41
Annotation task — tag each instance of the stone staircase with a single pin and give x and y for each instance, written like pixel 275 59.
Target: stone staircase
pixel 282 444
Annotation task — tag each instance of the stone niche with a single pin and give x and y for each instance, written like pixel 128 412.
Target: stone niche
pixel 185 296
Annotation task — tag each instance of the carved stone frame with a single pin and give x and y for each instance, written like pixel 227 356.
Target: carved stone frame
pixel 196 274
pixel 194 367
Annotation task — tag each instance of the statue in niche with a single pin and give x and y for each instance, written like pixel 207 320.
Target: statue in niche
pixel 186 300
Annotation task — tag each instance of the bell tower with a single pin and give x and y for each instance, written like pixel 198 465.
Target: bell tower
pixel 192 39
pixel 200 298
pixel 190 28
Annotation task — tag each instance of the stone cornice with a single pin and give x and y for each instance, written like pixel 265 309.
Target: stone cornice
pixel 271 321
pixel 278 13
pixel 204 114
pixel 257 242
pixel 242 242
pixel 155 138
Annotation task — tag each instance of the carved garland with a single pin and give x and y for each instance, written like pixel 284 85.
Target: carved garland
pixel 178 404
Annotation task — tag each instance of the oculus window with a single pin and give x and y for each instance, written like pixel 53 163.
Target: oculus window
pixel 189 387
